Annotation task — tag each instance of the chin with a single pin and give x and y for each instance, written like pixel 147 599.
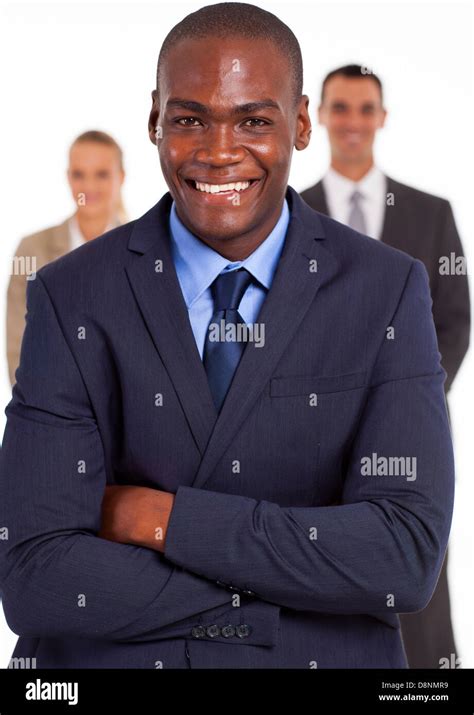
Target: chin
pixel 216 234
pixel 93 211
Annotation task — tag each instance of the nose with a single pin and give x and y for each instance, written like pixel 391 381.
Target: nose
pixel 219 147
pixel 358 120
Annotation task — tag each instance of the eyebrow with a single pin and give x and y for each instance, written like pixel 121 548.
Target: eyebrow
pixel 238 109
pixel 344 103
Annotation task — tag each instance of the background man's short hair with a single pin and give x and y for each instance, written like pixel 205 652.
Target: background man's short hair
pixel 352 71
pixel 235 19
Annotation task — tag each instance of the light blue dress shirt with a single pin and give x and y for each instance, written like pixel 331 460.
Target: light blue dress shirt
pixel 198 265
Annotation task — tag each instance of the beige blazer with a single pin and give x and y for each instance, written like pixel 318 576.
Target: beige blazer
pixel 33 252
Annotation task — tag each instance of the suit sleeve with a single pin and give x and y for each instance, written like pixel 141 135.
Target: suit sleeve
pixel 57 577
pixel 451 305
pixel 382 547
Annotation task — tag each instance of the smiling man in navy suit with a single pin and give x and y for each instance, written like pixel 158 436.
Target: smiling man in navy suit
pixel 175 492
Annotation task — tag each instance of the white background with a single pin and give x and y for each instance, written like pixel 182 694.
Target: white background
pixel 69 67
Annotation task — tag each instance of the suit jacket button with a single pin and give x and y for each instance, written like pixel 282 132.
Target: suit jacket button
pixel 213 631
pixel 228 631
pixel 243 630
pixel 198 632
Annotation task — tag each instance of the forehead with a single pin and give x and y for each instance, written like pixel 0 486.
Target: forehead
pixel 351 89
pixel 92 153
pixel 225 70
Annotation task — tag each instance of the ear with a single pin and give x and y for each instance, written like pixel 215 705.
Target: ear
pixel 383 118
pixel 303 124
pixel 153 118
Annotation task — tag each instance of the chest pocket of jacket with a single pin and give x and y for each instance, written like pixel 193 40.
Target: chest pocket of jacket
pixel 309 384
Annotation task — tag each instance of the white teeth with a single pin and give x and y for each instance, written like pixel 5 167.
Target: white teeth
pixel 218 188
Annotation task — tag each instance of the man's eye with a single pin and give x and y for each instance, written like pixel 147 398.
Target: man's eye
pixel 180 121
pixel 256 119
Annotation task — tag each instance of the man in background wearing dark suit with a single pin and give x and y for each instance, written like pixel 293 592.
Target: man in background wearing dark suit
pixel 356 192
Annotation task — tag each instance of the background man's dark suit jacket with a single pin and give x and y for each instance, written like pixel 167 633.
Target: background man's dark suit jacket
pixel 321 556
pixel 423 225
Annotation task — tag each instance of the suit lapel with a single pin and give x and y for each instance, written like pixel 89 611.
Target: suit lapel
pixel 389 234
pixel 318 199
pixel 164 311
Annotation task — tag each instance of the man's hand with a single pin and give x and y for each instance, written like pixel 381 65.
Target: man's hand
pixel 136 515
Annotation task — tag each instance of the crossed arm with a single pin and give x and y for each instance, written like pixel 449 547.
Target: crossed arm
pixel 387 537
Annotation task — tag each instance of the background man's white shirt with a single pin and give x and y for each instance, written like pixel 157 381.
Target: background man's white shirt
pixel 373 187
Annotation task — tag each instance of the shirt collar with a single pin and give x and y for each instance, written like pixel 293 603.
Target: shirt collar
pixel 368 185
pixel 75 233
pixel 198 265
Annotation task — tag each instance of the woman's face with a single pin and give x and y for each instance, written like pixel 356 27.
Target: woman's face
pixel 95 178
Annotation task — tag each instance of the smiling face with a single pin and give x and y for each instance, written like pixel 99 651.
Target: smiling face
pixel 352 112
pixel 95 177
pixel 227 126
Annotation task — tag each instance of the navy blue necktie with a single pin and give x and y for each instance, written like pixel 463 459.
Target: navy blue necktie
pixel 221 357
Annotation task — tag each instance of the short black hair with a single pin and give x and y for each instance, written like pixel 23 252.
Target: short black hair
pixel 353 71
pixel 238 19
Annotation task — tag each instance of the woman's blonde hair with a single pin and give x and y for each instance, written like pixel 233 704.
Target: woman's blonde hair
pixel 95 135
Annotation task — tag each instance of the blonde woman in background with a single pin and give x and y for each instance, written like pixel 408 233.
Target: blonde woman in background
pixel 95 175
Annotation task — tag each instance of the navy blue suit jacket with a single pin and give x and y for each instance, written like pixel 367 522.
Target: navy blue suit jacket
pixel 281 550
